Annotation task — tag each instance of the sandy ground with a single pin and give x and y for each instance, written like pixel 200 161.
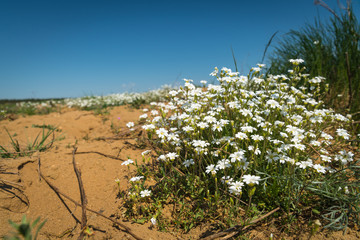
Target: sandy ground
pixel 22 191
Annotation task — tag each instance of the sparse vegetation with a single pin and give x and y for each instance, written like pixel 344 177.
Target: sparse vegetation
pixel 38 144
pixel 25 230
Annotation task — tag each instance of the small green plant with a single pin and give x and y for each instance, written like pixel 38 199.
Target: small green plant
pixel 14 143
pixel 25 230
pixel 39 144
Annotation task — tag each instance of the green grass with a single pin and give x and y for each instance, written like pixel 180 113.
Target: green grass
pixel 330 49
pixel 41 143
pixel 28 106
pixel 25 230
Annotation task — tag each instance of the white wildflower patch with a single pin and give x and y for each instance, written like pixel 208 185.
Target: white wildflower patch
pixel 245 133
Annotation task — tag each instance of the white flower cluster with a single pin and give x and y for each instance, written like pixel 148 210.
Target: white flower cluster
pixel 231 129
pixel 119 98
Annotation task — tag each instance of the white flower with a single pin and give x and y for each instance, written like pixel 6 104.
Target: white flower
pixel 162 133
pixel 247 128
pixel 256 69
pixel 279 123
pixel 342 133
pixel 241 135
pixel 210 119
pixel 143 116
pixel 171 155
pixel 173 93
pixel 153 221
pixel 319 168
pixel 304 164
pixel 217 127
pixel 148 127
pixel 223 163
pixel 203 125
pixel 296 61
pixel 325 158
pixel 251 179
pixel 154 112
pixel 326 136
pixel 145 152
pixel 315 143
pixel 156 119
pixel 200 143
pixel 145 193
pixel 130 124
pixel 127 162
pixel 271 156
pixel 273 103
pixel 211 169
pixel 135 179
pixel 257 137
pixel 227 180
pixel 237 156
pixel 188 129
pixel 300 146
pixel 344 157
pixel 188 162
pixel 235 187
pixel 257 151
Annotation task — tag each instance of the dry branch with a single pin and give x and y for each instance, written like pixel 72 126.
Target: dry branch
pixel 82 195
pixel 228 233
pixel 9 182
pixel 102 154
pixel 58 192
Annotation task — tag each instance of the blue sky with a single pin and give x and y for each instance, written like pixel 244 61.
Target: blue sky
pixel 73 48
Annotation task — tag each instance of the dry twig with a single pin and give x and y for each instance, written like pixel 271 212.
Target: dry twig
pixel 58 192
pixel 9 182
pixel 83 197
pixel 228 233
pixel 102 154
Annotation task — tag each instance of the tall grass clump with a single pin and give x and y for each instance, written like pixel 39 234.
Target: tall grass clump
pixel 227 153
pixel 331 49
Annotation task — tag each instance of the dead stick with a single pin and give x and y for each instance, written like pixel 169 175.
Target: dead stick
pixel 113 138
pixel 313 149
pixel 57 191
pixel 102 154
pixel 39 168
pixel 82 195
pixel 9 182
pixel 237 227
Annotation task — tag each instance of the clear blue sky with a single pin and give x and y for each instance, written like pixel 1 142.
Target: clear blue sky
pixel 72 48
